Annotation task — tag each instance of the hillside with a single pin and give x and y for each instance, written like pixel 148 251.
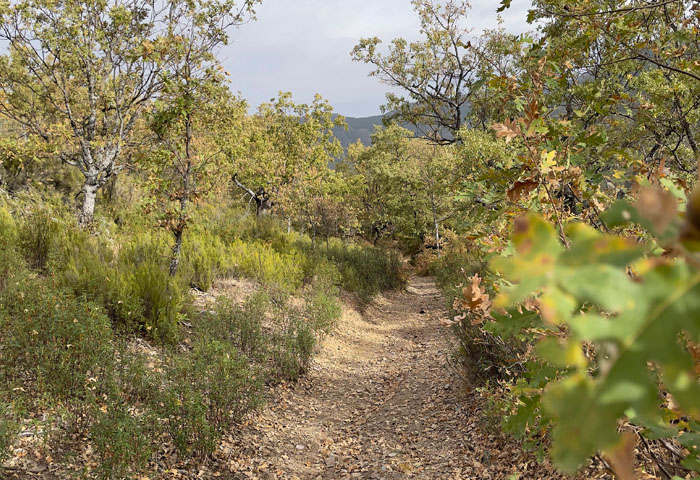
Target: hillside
pixel 359 128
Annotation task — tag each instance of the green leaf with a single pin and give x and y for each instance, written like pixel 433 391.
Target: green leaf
pixel 514 321
pixel 505 4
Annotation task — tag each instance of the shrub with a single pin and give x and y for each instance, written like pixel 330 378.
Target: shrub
pixel 134 380
pixel 282 271
pixel 131 282
pixel 241 325
pixel 121 440
pixel 160 301
pixel 8 246
pixel 8 230
pixel 8 430
pixel 291 347
pixel 209 390
pixel 423 262
pixel 485 355
pixel 204 258
pixel 322 307
pixel 322 310
pixel 37 237
pixel 52 342
pixel 366 271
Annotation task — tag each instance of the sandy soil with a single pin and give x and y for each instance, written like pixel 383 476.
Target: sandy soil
pixel 382 401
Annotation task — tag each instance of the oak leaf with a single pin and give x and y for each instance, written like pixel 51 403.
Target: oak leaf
pixel 475 300
pixel 508 129
pixel 521 188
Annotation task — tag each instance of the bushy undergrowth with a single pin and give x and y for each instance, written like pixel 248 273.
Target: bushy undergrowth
pixel 52 342
pixel 74 304
pixel 364 270
pixel 484 355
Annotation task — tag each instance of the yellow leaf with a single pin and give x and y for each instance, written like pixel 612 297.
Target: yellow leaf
pixel 548 161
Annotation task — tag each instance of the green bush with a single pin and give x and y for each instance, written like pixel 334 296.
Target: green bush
pixel 257 260
pixel 8 430
pixel 8 230
pixel 37 237
pixel 134 380
pixel 485 355
pixel 160 301
pixel 122 440
pixel 9 238
pixel 52 342
pixel 291 347
pixel 323 310
pixel 131 282
pixel 205 257
pixel 208 391
pixel 239 325
pixel 322 306
pixel 365 271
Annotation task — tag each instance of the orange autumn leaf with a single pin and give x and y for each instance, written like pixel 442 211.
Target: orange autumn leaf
pixel 474 300
pixel 521 189
pixel 508 129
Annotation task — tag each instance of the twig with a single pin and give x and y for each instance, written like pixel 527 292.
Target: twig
pixel 611 12
pixel 653 455
pixel 607 466
pixel 672 448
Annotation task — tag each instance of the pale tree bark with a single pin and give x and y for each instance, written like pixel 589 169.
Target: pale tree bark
pixel 436 223
pixel 263 202
pixel 97 167
pixel 87 211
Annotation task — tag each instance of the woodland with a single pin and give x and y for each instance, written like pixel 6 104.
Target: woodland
pixel 173 261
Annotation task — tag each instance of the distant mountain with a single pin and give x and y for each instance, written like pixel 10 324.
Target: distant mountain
pixel 358 129
pixel 361 128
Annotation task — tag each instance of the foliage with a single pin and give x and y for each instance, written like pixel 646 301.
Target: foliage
pixel 110 61
pixel 293 146
pixel 9 237
pixel 636 325
pixel 365 271
pixel 8 429
pixel 600 328
pixel 401 186
pixel 121 440
pixel 34 317
pixel 444 75
pixel 72 331
pixel 209 390
pixel 194 118
pixel 36 235
pixel 131 284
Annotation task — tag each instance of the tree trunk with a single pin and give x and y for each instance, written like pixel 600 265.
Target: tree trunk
pixel 184 196
pixel 177 248
pixel 99 169
pixel 179 230
pixel 87 211
pixel 437 237
pixel 436 223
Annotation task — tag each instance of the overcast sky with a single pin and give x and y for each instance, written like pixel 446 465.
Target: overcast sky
pixel 303 46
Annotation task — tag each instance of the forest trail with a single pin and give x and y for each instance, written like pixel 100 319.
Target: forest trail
pixel 381 402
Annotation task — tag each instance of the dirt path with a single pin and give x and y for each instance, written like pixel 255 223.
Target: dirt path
pixel 381 402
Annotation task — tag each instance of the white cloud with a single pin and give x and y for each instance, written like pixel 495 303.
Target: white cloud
pixel 303 46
